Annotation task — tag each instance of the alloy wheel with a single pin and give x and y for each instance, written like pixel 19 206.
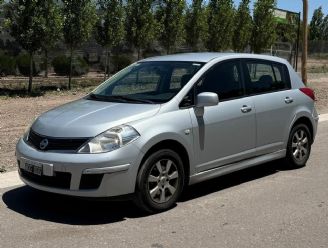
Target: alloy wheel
pixel 300 145
pixel 163 180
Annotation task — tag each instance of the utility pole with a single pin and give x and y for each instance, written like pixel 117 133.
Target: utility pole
pixel 305 41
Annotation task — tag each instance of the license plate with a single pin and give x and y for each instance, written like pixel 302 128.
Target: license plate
pixel 34 168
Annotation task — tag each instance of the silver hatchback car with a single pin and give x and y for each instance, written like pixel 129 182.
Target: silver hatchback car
pixel 167 122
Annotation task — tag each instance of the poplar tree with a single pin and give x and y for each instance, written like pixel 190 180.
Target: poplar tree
pixel 110 26
pixel 220 20
pixel 243 27
pixel 1 10
pixel 263 35
pixel 26 24
pixel 195 24
pixel 139 23
pixel 317 25
pixel 53 28
pixel 170 17
pixel 79 19
pixel 325 28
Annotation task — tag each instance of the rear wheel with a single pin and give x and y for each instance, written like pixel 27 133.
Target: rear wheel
pixel 299 146
pixel 160 181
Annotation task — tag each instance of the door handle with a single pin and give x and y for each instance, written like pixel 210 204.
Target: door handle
pixel 246 109
pixel 288 100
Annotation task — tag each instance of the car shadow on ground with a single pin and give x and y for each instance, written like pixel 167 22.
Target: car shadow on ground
pixel 76 211
pixel 233 179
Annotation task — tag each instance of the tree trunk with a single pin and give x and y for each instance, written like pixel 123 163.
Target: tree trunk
pixel 168 48
pixel 31 74
pixel 139 52
pixel 70 68
pixel 106 63
pixel 305 41
pixel 46 63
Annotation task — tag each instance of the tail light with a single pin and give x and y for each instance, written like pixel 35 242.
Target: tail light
pixel 309 92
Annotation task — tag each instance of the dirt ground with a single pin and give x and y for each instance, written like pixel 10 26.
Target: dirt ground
pixel 16 113
pixel 319 82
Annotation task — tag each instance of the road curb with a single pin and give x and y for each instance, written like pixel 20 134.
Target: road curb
pixel 10 179
pixel 323 117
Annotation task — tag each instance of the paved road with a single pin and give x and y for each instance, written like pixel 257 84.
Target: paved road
pixel 265 206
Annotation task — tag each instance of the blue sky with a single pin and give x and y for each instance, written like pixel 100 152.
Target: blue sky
pixel 297 5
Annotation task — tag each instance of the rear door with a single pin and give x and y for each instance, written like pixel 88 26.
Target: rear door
pixel 269 85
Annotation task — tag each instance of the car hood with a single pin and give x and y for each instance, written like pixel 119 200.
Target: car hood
pixel 88 118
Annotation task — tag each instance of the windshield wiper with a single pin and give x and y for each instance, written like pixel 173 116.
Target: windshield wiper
pixel 118 97
pixel 131 99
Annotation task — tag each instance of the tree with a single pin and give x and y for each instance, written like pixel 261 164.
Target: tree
pixel 79 19
pixel 53 28
pixel 195 24
pixel 110 26
pixel 26 23
pixel 170 18
pixel 1 10
pixel 243 27
pixel 263 35
pixel 316 25
pixel 325 28
pixel 305 40
pixel 139 23
pixel 220 19
pixel 286 32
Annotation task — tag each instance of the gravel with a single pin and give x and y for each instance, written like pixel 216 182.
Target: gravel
pixel 15 116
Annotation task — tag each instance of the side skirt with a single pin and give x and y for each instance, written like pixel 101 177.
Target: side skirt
pixel 229 168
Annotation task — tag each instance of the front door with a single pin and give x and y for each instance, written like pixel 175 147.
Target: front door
pixel 225 133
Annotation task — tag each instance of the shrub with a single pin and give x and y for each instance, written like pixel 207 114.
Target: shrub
pixel 7 65
pixel 120 61
pixel 61 66
pixel 80 67
pixel 151 52
pixel 23 64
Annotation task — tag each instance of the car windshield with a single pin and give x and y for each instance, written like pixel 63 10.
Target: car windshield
pixel 146 82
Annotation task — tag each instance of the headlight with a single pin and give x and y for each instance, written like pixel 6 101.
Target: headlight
pixel 110 140
pixel 27 130
pixel 26 134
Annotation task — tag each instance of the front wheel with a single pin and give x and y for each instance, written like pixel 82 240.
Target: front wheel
pixel 299 146
pixel 160 181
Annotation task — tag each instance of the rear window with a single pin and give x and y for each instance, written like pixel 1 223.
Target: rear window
pixel 265 76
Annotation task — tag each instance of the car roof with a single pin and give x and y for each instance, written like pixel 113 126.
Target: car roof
pixel 205 57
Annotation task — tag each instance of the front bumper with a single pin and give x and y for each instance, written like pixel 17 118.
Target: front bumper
pixel 110 174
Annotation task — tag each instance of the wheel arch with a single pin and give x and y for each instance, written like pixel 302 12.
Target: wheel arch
pixel 306 121
pixel 178 147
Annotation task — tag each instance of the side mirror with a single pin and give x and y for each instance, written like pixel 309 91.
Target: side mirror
pixel 206 99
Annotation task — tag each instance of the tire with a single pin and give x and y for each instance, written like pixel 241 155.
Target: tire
pixel 157 189
pixel 298 147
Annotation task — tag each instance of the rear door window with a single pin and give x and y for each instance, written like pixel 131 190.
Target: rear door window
pixel 265 76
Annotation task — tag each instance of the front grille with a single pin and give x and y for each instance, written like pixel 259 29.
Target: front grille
pixel 55 144
pixel 91 181
pixel 60 180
